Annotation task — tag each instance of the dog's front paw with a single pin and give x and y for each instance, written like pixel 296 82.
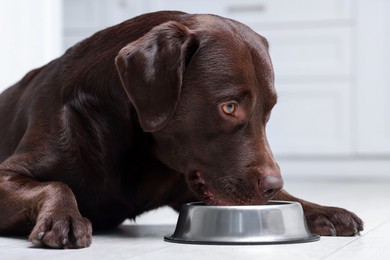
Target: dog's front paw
pixel 331 221
pixel 62 231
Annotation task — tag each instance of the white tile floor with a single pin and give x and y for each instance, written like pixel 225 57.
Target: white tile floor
pixel 144 239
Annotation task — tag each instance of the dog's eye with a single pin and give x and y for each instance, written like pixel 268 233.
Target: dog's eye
pixel 229 108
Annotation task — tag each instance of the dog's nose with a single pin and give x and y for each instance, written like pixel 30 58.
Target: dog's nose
pixel 270 185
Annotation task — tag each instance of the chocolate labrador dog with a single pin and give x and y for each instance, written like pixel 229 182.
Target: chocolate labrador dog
pixel 162 109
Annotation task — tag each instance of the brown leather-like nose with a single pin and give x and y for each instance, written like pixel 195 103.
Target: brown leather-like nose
pixel 269 185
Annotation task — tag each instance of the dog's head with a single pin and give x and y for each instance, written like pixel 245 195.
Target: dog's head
pixel 204 88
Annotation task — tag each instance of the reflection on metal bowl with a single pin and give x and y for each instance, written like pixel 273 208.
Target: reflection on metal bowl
pixel 273 223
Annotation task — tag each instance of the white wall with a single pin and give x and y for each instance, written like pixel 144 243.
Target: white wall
pixel 31 35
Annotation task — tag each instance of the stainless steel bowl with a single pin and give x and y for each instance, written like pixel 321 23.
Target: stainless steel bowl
pixel 274 223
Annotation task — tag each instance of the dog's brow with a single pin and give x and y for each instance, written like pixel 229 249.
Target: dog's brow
pixel 272 100
pixel 231 93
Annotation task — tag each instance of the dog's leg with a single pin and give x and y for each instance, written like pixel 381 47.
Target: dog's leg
pixel 326 221
pixel 50 208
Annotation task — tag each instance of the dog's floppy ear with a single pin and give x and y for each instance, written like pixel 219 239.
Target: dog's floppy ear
pixel 151 70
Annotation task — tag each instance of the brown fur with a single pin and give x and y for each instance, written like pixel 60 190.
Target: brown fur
pixel 131 119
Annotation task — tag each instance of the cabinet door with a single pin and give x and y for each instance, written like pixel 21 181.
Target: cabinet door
pixel 310 52
pixel 373 56
pixel 311 119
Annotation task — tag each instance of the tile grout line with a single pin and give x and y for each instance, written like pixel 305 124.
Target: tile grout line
pixel 338 249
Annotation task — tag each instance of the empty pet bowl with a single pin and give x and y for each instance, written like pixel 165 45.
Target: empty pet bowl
pixel 274 223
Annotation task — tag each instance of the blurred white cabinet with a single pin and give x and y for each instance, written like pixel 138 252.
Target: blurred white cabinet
pixel 331 60
pixel 84 17
pixel 304 53
pixel 314 80
pixel 262 11
pixel 312 119
pixel 31 36
pixel 373 77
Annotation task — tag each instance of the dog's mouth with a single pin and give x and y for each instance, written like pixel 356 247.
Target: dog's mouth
pixel 221 197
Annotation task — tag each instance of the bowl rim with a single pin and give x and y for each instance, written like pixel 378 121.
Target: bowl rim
pixel 270 204
pixel 310 238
